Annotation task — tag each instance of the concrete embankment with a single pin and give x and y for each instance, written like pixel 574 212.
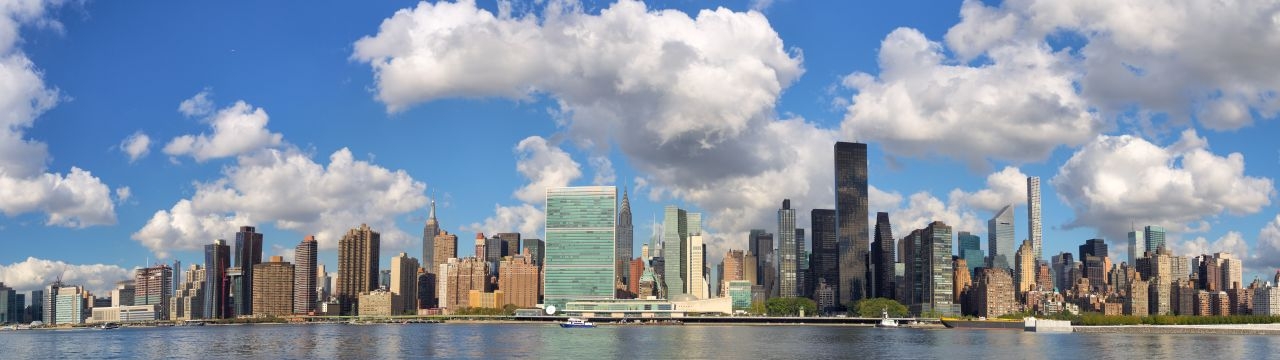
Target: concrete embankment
pixel 1243 329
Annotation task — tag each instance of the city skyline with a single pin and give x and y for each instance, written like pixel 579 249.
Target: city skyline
pixel 224 134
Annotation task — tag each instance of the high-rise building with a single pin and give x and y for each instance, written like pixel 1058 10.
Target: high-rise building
pixel 675 249
pixel 518 280
pixel 50 302
pixel 188 299
pixel 460 276
pixel 1137 246
pixel 961 278
pixel 1000 239
pixel 911 288
pixel 882 258
pixel 633 283
pixel 825 257
pixel 1034 230
pixel 324 283
pixel 1062 264
pixel 733 269
pixel 273 288
pixel 446 247
pixel 1153 236
pixel 429 232
pixel 404 282
pixel 154 286
pixel 304 276
pixel 788 261
pixel 248 254
pixel 122 295
pixel 1231 270
pixel 971 251
pixel 1136 302
pixel 761 244
pixel 535 248
pixel 1095 247
pixel 217 258
pixel 938 298
pixel 357 266
pixel 380 302
pixel 580 231
pixel 68 305
pixel 626 235
pixel 695 272
pixel 851 217
pixel 994 294
pixel 10 309
pixel 1024 279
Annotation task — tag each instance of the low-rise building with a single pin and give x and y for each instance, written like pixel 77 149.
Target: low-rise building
pixel 124 314
pixel 378 303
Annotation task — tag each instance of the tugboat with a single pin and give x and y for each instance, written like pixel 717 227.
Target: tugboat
pixel 577 323
pixel 885 321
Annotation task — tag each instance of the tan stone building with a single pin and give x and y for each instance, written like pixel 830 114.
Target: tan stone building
pixel 378 303
pixel 1024 268
pixel 357 265
pixel 273 288
pixel 1135 302
pixel 961 279
pixel 491 300
pixel 404 282
pixel 518 279
pixel 995 294
pixel 460 277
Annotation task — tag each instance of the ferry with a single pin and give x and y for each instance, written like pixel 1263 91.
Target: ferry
pixel 577 323
pixel 885 321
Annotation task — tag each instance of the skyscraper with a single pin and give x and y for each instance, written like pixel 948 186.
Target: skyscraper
pixel 154 286
pixel 766 272
pixel 1137 246
pixel 217 258
pixel 626 234
pixel 429 232
pixel 535 248
pixel 404 282
pixel 1153 236
pixel 1034 231
pixel 882 257
pixel 518 279
pixel 851 214
pixel 446 247
pixel 10 309
pixel 826 248
pixel 1095 247
pixel 788 262
pixel 1025 268
pixel 273 288
pixel 580 230
pixel 971 251
pixel 1000 239
pixel 695 282
pixel 248 254
pixel 675 249
pixel 357 265
pixel 304 276
pixel 938 287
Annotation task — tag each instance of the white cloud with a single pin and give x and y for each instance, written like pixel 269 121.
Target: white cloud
pixel 136 146
pixel 602 167
pixel 198 105
pixel 1267 255
pixel 1232 242
pixel 35 274
pixel 1007 187
pixel 545 166
pixel 289 189
pixel 1115 181
pixel 1145 54
pixel 123 194
pixel 761 5
pixel 237 129
pixel 76 199
pixel 1019 107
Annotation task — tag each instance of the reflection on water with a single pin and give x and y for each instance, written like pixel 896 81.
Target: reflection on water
pixel 649 342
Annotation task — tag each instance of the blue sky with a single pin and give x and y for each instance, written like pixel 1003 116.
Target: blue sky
pixel 727 112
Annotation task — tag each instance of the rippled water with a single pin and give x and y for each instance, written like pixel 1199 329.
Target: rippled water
pixel 499 341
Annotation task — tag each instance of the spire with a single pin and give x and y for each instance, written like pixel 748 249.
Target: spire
pixel 432 214
pixel 626 202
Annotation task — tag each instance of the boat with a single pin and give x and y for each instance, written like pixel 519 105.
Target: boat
pixel 885 321
pixel 107 326
pixel 577 323
pixel 983 323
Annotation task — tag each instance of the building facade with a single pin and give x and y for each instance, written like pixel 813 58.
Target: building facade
pixel 580 231
pixel 626 235
pixel 154 286
pixel 883 258
pixel 851 218
pixel 357 265
pixel 1034 223
pixel 404 282
pixel 248 253
pixel 273 288
pixel 788 259
pixel 1000 242
pixel 304 276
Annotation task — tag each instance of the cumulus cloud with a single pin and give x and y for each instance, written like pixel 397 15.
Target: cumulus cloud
pixel 198 105
pixel 287 188
pixel 1006 187
pixel 237 129
pixel 35 274
pixel 1115 181
pixel 1019 107
pixel 74 199
pixel 602 167
pixel 689 101
pixel 545 166
pixel 1267 255
pixel 1143 53
pixel 1232 242
pixel 136 146
pixel 123 194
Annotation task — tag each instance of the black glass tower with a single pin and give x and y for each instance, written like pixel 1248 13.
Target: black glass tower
pixel 851 218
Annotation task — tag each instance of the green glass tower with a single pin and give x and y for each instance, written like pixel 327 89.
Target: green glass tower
pixel 581 231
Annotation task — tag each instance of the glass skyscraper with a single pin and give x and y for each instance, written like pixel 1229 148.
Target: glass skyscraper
pixel 826 251
pixel 1153 236
pixel 939 288
pixel 248 254
pixel 1000 239
pixel 882 257
pixel 788 260
pixel 675 249
pixel 581 230
pixel 971 250
pixel 851 217
pixel 217 258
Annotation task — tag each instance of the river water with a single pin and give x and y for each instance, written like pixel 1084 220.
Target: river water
pixel 549 341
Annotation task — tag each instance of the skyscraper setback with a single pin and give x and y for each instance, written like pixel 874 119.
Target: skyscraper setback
pixel 851 215
pixel 882 257
pixel 357 265
pixel 675 249
pixel 626 234
pixel 429 232
pixel 248 254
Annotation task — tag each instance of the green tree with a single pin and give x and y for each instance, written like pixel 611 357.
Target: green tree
pixel 873 307
pixel 791 306
pixel 758 308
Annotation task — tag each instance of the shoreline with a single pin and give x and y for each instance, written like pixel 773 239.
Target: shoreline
pixel 1228 329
